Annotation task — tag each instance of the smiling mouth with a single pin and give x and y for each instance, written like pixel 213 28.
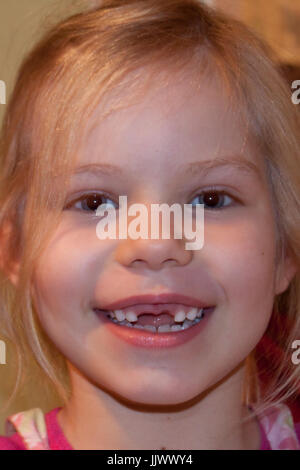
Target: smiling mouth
pixel 165 319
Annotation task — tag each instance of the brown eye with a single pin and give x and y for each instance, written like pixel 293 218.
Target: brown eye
pixel 91 202
pixel 214 199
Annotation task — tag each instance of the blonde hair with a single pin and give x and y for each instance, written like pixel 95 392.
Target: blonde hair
pixel 59 86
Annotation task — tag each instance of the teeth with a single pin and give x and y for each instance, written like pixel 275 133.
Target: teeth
pixel 131 317
pixel 191 315
pixel 179 317
pixel 200 313
pixel 176 328
pixel 150 328
pixel 120 315
pixel 163 328
pixel 183 320
pixel 139 327
pixel 186 324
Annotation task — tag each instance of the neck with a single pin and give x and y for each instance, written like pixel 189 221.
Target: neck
pixel 95 419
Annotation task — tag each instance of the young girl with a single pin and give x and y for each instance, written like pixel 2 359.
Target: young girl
pixel 151 345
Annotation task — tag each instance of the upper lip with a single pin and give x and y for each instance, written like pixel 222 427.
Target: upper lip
pixel 166 298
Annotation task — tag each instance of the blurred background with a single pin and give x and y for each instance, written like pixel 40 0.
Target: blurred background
pixel 275 21
pixel 22 22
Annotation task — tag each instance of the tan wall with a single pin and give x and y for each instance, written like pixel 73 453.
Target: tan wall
pixel 21 24
pixel 23 21
pixel 276 21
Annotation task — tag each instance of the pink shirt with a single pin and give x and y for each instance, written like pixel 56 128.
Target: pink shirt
pixel 58 441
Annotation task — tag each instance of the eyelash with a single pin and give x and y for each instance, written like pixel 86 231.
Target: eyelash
pixel 218 192
pixel 212 190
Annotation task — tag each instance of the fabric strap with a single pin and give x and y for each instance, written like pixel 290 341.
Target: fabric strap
pixel 278 424
pixel 31 426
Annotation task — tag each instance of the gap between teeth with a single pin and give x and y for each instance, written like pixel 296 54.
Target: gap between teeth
pixel 183 320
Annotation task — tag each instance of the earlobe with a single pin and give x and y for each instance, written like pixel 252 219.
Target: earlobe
pixel 285 273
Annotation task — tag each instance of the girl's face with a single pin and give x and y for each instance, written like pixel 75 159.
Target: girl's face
pixel 150 146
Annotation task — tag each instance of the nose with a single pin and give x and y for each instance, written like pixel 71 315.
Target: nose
pixel 153 254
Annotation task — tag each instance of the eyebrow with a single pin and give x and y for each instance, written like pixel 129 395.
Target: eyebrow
pixel 236 161
pixel 100 169
pixel 194 168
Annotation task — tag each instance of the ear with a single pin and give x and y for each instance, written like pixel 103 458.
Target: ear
pixel 12 269
pixel 286 271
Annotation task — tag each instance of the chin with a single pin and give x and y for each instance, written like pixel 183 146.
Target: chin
pixel 157 396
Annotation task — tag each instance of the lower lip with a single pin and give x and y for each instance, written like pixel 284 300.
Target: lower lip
pixel 147 339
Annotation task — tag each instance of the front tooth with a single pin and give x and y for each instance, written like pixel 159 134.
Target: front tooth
pixel 150 328
pixel 191 315
pixel 164 328
pixel 111 314
pixel 131 317
pixel 176 328
pixel 200 312
pixel 120 315
pixel 179 317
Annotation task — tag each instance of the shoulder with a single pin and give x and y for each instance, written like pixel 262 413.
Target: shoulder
pixel 280 429
pixel 56 436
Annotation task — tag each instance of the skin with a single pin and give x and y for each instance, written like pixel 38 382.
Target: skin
pixel 125 397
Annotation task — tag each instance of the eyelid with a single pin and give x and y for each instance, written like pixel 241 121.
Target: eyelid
pixel 85 195
pixel 218 190
pixel 105 195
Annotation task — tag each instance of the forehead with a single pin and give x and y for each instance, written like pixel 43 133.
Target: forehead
pixel 179 119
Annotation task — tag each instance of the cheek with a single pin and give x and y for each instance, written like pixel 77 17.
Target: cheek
pixel 62 287
pixel 242 258
pixel 57 277
pixel 63 277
